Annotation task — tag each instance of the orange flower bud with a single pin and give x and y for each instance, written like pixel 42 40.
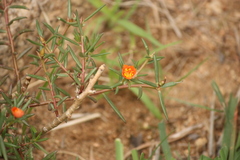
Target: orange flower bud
pixel 17 112
pixel 128 72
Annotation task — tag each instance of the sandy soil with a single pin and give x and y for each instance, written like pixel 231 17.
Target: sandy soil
pixel 207 30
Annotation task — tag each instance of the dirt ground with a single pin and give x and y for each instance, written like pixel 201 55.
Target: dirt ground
pixel 206 28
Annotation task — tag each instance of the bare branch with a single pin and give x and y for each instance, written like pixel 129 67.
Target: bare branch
pixel 77 102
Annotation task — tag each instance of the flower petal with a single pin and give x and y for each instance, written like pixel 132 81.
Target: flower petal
pixel 128 72
pixel 17 112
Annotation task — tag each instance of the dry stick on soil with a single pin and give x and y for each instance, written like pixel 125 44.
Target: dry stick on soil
pixel 77 102
pixel 236 33
pixel 44 13
pixel 211 146
pixel 172 138
pixel 170 18
pixel 71 153
pixel 79 120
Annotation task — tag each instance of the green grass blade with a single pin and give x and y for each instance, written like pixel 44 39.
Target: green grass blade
pixel 79 25
pixel 189 151
pixel 134 154
pixel 237 146
pixel 50 156
pixel 49 27
pixel 170 84
pixel 119 149
pixel 229 132
pixel 218 93
pixel 68 39
pixel 16 19
pixel 95 12
pixel 74 57
pixel 70 23
pixel 37 77
pixel 147 83
pixel 192 70
pixel 3 31
pixel 196 105
pixel 18 7
pixel 2 117
pixel 69 11
pixel 162 104
pixel 224 153
pixel 6 98
pixel 156 69
pixel 202 157
pixel 164 143
pixel 16 35
pixel 148 103
pixel 100 54
pixel 98 37
pixel 108 13
pixel 142 157
pixel 140 92
pixel 35 43
pixel 63 92
pixel 121 62
pixel 24 52
pixel 36 145
pixel 131 27
pixel 114 107
pixel 145 46
pixel 39 30
pixel 90 74
pixel 132 10
pixel 115 71
pixel 3 149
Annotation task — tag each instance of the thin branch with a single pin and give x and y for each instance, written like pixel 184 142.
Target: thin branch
pixel 122 87
pixel 95 93
pixel 10 38
pixel 48 102
pixel 144 63
pixel 83 64
pixel 50 86
pixel 77 102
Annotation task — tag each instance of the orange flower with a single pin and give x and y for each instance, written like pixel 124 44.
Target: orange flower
pixel 128 72
pixel 17 112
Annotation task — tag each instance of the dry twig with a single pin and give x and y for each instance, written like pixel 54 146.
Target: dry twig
pixel 79 120
pixel 170 19
pixel 77 102
pixel 172 138
pixel 72 154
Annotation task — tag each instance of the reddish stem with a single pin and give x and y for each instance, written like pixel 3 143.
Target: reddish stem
pixel 10 38
pixel 96 93
pixel 122 87
pixel 47 102
pixel 83 64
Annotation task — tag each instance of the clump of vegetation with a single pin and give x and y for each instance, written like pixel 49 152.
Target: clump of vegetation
pixel 19 139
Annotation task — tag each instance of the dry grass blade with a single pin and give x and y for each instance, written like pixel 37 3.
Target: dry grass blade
pixel 170 18
pixel 77 102
pixel 77 121
pixel 71 153
pixel 43 12
pixel 211 146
